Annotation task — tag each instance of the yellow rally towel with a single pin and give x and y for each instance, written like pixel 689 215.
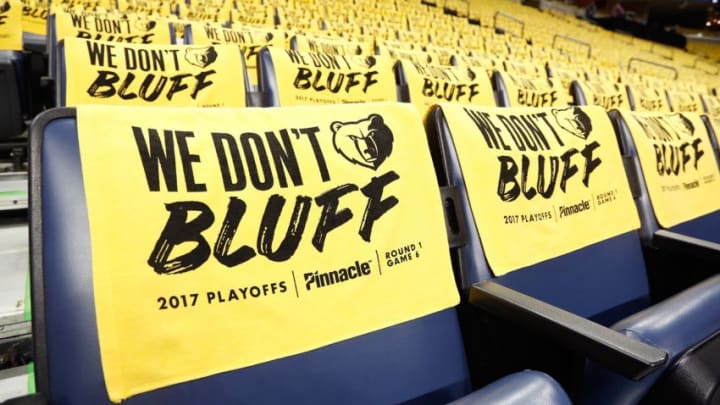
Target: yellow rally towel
pixel 132 28
pixel 153 75
pixel 318 78
pixel 429 84
pixel 34 18
pixel 261 233
pixel 549 180
pixel 11 14
pixel 678 164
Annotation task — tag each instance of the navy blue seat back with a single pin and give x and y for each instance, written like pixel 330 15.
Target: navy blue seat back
pixel 421 360
pixel 706 227
pixel 604 281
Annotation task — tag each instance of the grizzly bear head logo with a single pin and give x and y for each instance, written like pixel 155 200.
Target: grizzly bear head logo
pixel 573 120
pixel 145 25
pixel 201 57
pixel 669 126
pixel 366 142
pixel 680 125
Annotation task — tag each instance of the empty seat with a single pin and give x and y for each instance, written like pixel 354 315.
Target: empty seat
pixel 675 171
pixel 425 85
pixel 685 101
pixel 97 72
pixel 312 318
pixel 566 74
pixel 518 90
pixel 254 14
pixel 415 55
pixel 329 45
pixel 444 54
pixel 651 99
pixel 395 44
pixel 549 218
pixel 417 36
pixel 523 68
pixel 599 92
pixel 474 60
pixel 289 77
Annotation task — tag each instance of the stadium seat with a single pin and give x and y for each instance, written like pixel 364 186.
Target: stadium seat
pixel 523 68
pixel 395 44
pixel 599 92
pixel 288 77
pixel 685 101
pixel 651 99
pixel 425 85
pixel 517 90
pixel 474 61
pixel 261 16
pixel 555 251
pixel 672 163
pixel 444 54
pixel 564 73
pixel 419 360
pixel 543 53
pixel 98 72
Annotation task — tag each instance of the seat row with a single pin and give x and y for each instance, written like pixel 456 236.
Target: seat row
pixel 509 59
pixel 277 76
pixel 379 261
pixel 518 69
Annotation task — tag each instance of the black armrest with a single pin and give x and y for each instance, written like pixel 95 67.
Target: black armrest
pixel 31 399
pixel 622 354
pixel 700 248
